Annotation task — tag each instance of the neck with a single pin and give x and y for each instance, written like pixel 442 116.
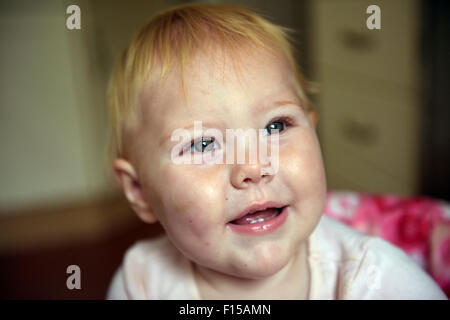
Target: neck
pixel 291 282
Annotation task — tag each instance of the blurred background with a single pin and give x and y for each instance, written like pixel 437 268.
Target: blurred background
pixel 383 103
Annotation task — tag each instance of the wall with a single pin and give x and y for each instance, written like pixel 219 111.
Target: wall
pixel 53 133
pixel 41 128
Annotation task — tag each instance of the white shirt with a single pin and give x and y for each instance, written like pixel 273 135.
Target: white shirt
pixel 344 264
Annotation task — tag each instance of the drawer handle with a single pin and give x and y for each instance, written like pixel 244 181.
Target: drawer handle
pixel 354 40
pixel 360 133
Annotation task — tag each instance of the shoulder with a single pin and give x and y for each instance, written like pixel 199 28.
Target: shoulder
pixel 335 241
pixel 387 272
pixel 353 265
pixel 145 251
pixel 152 269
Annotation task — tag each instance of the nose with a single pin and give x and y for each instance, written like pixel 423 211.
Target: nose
pixel 243 175
pixel 252 170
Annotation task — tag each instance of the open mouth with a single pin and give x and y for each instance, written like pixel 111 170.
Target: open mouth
pixel 258 216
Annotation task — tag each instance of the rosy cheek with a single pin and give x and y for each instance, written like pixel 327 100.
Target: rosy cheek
pixel 303 161
pixel 293 161
pixel 194 199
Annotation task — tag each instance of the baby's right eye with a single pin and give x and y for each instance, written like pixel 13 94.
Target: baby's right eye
pixel 204 145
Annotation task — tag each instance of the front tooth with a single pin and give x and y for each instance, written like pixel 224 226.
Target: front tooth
pixel 258 220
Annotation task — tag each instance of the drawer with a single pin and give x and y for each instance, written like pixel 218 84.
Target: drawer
pixel 371 141
pixel 346 171
pixel 340 37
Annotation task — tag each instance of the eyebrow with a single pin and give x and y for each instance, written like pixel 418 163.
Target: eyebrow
pixel 256 110
pixel 276 104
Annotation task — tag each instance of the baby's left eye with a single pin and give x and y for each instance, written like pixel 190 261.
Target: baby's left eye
pixel 279 125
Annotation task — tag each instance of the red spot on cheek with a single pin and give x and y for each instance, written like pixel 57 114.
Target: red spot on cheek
pixel 207 244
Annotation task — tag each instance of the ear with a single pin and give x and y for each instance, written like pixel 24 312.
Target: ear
pixel 313 117
pixel 127 179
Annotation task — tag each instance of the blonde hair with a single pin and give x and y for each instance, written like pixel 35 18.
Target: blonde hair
pixel 172 37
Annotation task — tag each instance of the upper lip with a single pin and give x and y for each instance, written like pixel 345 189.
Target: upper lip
pixel 258 207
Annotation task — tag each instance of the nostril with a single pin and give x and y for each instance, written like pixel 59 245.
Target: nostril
pixel 247 180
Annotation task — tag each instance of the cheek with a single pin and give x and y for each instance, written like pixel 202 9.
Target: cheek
pixel 194 199
pixel 302 165
pixel 303 155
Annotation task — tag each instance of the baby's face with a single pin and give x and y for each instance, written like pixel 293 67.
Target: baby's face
pixel 198 204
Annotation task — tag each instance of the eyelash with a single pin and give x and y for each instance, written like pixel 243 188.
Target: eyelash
pixel 287 122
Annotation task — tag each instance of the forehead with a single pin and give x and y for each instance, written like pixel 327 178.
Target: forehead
pixel 213 83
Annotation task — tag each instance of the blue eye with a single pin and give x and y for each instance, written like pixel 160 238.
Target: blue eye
pixel 279 125
pixel 204 145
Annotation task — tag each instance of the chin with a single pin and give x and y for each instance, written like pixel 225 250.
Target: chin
pixel 265 266
pixel 261 273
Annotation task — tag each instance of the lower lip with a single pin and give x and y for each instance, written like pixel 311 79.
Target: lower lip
pixel 261 227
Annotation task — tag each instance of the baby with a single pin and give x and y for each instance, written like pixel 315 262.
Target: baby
pixel 192 80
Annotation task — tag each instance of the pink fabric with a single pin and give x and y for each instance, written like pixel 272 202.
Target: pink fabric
pixel 418 225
